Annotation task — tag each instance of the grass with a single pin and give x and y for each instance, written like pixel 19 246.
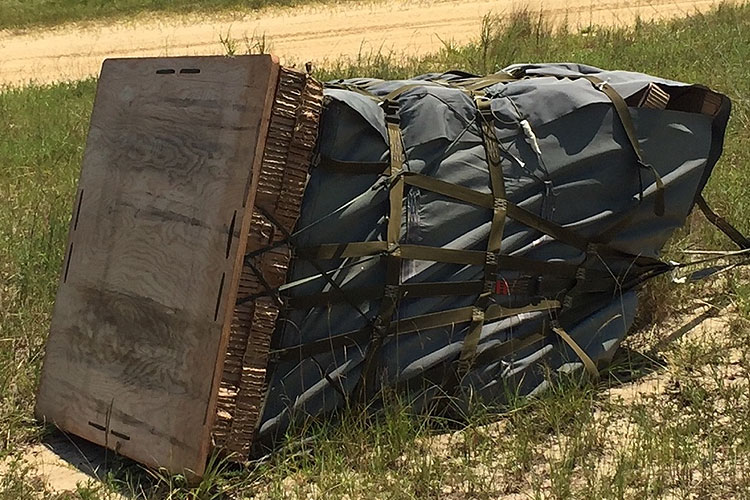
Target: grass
pixel 687 438
pixel 22 14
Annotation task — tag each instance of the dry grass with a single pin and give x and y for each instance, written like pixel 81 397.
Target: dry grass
pixel 671 419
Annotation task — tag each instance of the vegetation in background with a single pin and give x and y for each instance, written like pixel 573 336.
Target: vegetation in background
pixel 689 438
pixel 15 14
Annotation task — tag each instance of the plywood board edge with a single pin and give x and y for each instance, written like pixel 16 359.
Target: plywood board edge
pixel 228 312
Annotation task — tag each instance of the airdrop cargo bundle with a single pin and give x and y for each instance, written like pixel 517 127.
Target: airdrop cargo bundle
pixel 449 238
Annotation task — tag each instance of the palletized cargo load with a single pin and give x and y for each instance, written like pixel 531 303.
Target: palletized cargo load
pixel 450 238
pixel 466 238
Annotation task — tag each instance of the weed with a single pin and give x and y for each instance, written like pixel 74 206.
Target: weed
pixel 15 14
pixel 683 431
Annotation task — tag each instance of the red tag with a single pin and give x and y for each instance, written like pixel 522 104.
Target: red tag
pixel 502 288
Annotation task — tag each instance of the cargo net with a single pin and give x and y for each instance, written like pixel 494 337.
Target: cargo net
pixel 281 184
pixel 566 292
pixel 578 280
pixel 568 299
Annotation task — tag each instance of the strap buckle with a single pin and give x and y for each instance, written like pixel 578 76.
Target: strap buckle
pixel 483 103
pixel 500 205
pixel 390 108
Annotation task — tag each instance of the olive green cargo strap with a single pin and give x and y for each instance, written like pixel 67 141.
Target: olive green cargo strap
pixel 725 227
pixel 588 363
pixel 329 251
pixel 395 94
pixel 487 200
pixel 494 239
pixel 532 286
pixel 389 303
pixel 352 167
pixel 472 86
pixel 411 325
pixel 437 254
pixel 361 249
pixel 287 235
pixel 477 258
pixel 621 108
pixel 448 189
pixel 391 96
pixel 539 285
pixel 487 81
pixel 406 290
pixel 519 214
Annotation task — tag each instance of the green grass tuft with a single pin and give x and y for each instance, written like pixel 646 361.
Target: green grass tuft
pixel 23 14
pixel 690 437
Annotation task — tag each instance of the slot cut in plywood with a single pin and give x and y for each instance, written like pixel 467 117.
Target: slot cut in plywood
pixel 154 254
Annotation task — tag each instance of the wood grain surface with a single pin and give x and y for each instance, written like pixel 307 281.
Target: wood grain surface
pixel 156 242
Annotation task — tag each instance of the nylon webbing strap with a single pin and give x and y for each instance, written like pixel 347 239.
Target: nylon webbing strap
pixel 317 267
pixel 342 250
pixel 477 257
pixel 412 325
pixel 351 167
pixel 513 211
pixel 391 293
pixel 588 363
pixel 494 240
pixel 450 190
pixel 626 120
pixel 532 285
pixel 489 80
pixel 395 94
pixel 582 278
pixel 435 254
pixel 407 290
pixel 725 227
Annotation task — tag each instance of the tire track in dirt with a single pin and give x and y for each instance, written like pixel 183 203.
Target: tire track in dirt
pixel 310 33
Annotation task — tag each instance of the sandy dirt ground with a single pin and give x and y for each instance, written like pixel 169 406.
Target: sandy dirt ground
pixel 313 33
pixel 62 464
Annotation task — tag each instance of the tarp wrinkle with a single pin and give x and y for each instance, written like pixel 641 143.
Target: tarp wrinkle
pixel 571 163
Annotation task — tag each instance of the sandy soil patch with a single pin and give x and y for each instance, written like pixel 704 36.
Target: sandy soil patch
pixel 312 33
pixel 62 464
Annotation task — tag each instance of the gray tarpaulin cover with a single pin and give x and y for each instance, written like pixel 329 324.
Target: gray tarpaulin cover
pixel 565 157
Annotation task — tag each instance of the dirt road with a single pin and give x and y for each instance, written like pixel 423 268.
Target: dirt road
pixel 312 33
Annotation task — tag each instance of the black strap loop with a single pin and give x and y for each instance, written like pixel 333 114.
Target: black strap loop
pixel 725 227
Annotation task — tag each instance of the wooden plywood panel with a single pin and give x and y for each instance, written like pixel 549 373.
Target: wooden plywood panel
pixel 156 242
